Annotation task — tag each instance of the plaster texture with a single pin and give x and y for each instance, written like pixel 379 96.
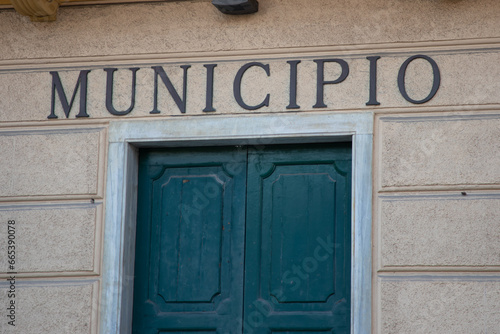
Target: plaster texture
pixel 44 163
pixel 442 231
pixel 52 239
pixel 444 307
pixel 441 150
pixel 194 26
pixel 67 308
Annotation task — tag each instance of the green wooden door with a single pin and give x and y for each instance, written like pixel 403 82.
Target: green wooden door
pixel 298 240
pixel 190 231
pixel 243 240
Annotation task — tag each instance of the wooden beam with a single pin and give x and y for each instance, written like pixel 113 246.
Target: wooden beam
pixel 37 10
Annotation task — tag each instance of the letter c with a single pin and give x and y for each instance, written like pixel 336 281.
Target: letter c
pixel 237 86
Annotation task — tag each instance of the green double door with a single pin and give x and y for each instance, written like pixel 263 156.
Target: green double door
pixel 235 240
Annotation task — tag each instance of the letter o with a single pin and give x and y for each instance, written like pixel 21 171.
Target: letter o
pixel 211 190
pixel 255 322
pixel 435 84
pixel 307 268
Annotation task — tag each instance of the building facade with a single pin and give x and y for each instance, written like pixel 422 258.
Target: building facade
pixel 313 167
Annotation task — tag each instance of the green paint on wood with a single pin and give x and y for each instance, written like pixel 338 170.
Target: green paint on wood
pixel 240 240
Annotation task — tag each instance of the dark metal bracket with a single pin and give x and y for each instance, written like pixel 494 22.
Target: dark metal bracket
pixel 236 7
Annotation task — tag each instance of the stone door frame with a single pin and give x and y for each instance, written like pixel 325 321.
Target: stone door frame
pixel 126 137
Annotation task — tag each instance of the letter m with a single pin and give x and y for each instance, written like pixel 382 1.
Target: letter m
pixel 57 86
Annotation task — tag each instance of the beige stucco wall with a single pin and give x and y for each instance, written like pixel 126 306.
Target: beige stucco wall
pixel 436 252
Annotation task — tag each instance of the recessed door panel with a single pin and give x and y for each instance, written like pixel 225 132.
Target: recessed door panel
pixel 299 207
pixel 189 265
pixel 190 235
pixel 298 240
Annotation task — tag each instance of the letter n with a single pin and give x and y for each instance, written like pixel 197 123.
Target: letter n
pixel 181 103
pixel 57 86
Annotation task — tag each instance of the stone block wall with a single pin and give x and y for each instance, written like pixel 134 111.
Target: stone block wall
pixel 52 187
pixel 436 223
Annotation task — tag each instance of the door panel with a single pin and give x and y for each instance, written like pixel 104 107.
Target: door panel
pixel 300 332
pixel 298 240
pixel 292 207
pixel 190 332
pixel 189 236
pixel 189 233
pixel 234 240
